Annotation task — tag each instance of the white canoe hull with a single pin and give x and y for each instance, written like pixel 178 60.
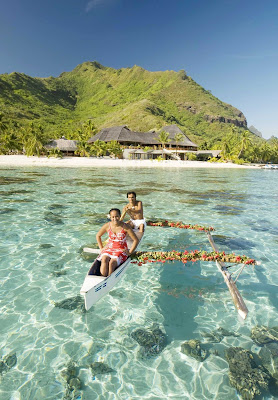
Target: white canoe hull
pixel 95 287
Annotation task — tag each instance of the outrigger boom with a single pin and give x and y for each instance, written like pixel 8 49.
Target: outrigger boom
pixel 236 296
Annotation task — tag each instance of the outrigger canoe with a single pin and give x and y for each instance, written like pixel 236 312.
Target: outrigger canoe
pixel 95 286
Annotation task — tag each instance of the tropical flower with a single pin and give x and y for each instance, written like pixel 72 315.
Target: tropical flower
pixel 180 225
pixel 193 256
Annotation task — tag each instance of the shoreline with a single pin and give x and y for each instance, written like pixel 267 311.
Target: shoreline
pixel 87 162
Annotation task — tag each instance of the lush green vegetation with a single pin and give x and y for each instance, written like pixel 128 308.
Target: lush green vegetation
pixel 35 110
pixel 241 147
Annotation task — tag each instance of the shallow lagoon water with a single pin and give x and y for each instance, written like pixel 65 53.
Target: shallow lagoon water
pixel 48 214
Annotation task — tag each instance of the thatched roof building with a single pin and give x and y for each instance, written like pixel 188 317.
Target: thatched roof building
pixel 63 144
pixel 208 153
pixel 127 137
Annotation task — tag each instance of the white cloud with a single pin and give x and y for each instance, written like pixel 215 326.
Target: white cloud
pixel 92 4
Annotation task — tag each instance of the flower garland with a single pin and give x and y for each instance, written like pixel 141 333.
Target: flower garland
pixel 142 257
pixel 180 225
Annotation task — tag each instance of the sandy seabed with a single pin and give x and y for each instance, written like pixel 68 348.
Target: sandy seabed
pixel 87 162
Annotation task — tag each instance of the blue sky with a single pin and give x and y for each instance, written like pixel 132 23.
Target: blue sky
pixel 229 47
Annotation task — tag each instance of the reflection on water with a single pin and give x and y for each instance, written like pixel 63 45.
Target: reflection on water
pixel 130 344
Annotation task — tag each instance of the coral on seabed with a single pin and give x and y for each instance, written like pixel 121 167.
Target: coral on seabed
pixel 217 335
pixel 193 348
pixel 73 383
pixel 8 362
pixel 261 334
pixel 52 218
pixel 72 303
pixel 99 368
pixel 245 374
pixel 269 356
pixel 152 340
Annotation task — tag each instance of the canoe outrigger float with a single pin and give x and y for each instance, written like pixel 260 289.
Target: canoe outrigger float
pixel 96 286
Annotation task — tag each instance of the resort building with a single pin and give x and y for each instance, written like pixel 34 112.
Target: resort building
pixel 67 147
pixel 141 145
pixel 125 136
pixel 137 141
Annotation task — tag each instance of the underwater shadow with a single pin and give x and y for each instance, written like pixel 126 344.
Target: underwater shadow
pixel 181 292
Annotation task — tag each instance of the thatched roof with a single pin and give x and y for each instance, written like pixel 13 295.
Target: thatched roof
pixel 173 130
pixel 124 135
pixel 118 133
pixel 62 144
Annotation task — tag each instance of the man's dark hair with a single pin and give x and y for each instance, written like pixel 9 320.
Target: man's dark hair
pixel 115 209
pixel 131 193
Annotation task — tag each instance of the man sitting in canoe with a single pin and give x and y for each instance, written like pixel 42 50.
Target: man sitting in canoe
pixel 115 252
pixel 135 210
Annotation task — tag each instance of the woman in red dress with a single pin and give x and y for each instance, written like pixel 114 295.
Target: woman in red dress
pixel 115 252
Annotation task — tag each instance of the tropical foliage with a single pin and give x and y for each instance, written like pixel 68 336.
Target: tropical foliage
pixel 163 138
pixel 241 147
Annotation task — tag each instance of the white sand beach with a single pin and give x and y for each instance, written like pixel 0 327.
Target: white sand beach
pixel 87 162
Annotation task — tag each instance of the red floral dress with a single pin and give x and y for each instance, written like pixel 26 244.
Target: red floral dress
pixel 116 246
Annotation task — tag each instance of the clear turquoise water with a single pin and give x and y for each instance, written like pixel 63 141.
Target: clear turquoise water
pixel 48 214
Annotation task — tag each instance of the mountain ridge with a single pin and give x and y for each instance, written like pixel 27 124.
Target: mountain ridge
pixel 132 96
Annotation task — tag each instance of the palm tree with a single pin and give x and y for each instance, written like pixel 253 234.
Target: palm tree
pixel 33 139
pixel 8 138
pixel 254 153
pixel 89 128
pixel 225 147
pixel 163 138
pixel 245 142
pixel 9 142
pixel 99 148
pixel 274 148
pixel 3 124
pixel 54 152
pixel 265 152
pixel 114 148
pixel 83 149
pixel 178 138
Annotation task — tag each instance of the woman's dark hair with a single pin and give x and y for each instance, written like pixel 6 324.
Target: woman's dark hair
pixel 131 193
pixel 115 209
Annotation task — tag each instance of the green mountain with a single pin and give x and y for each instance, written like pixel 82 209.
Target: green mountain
pixel 135 97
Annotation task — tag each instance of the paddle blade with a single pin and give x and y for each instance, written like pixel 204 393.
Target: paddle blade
pixel 89 250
